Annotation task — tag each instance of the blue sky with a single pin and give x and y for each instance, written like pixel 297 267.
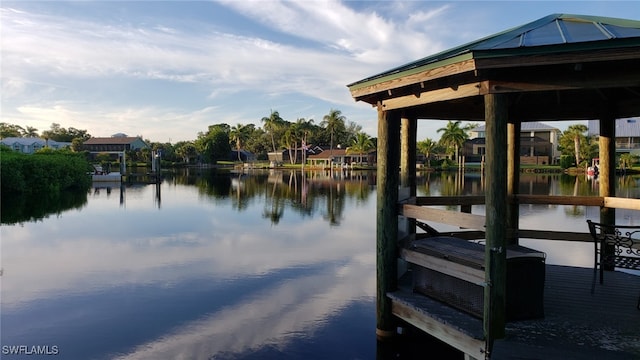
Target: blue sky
pixel 166 70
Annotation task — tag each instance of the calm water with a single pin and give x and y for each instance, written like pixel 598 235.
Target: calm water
pixel 219 266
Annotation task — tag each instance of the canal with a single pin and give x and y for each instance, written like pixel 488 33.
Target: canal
pixel 217 265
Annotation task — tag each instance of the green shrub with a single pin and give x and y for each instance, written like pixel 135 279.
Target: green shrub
pixel 48 171
pixel 566 161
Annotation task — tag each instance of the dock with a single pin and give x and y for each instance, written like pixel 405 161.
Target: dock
pixel 505 81
pixel 576 323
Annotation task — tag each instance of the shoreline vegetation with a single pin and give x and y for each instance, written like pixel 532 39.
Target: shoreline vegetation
pixel 44 172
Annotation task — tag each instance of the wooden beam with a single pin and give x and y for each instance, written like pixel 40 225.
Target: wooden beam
pixel 418 78
pixel 542 84
pixel 450 200
pixel 601 56
pixel 454 218
pixel 555 235
pixel 464 272
pixel 621 203
pixel 427 97
pixel 560 200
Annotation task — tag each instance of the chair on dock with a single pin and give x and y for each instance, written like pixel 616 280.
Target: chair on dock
pixel 614 246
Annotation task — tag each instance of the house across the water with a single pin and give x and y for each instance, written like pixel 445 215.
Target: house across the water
pixel 29 145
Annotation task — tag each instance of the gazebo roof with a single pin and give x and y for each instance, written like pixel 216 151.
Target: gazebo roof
pixel 574 56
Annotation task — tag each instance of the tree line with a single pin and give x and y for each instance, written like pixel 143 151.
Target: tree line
pixel 276 134
pixel 219 140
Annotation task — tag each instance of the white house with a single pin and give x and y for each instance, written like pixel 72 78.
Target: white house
pixel 627 134
pixel 29 145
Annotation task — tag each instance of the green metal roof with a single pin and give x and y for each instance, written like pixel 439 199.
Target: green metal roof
pixel 550 34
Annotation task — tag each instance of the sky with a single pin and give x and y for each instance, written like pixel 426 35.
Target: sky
pixel 166 70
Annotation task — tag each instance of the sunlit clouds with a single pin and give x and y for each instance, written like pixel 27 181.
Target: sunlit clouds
pixel 98 65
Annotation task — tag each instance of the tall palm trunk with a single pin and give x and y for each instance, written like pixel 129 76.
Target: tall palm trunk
pixel 576 144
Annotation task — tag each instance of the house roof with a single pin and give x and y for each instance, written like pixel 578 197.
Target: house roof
pixel 550 34
pixel 526 126
pixel 23 141
pixel 111 140
pixel 629 127
pixel 31 141
pixel 328 153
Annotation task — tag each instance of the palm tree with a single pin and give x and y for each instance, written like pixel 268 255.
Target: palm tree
pixel 627 160
pixel 426 147
pixel 453 136
pixel 271 124
pixel 576 133
pixel 31 132
pixel 333 122
pixel 290 139
pixel 238 135
pixel 186 150
pixel 362 144
pixel 304 128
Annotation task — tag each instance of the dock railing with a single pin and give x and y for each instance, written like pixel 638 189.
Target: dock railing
pixel 421 209
pixel 418 208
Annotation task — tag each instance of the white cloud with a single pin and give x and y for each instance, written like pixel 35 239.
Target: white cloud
pixel 110 68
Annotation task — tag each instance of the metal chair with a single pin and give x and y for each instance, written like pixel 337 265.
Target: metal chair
pixel 614 246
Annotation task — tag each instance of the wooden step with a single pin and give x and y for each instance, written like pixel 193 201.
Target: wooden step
pixel 458 329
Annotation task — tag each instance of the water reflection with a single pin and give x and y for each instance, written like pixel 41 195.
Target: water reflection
pixel 204 275
pixel 19 208
pixel 268 264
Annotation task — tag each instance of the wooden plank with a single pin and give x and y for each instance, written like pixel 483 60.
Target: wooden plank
pixel 605 56
pixel 467 235
pixel 622 203
pixel 358 92
pixel 432 96
pixel 454 218
pixel 613 202
pixel 438 329
pixel 560 200
pixel 444 266
pixel 450 200
pixel 554 235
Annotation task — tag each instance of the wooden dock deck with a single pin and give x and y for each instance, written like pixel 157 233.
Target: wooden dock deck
pixel 576 325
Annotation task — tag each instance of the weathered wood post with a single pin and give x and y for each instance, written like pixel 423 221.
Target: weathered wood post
pixel 496 215
pixel 387 218
pixel 607 168
pixel 513 180
pixel 607 171
pixel 407 190
pixel 408 146
pixel 408 130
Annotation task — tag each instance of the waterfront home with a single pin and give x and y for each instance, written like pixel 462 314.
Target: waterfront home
pixel 29 145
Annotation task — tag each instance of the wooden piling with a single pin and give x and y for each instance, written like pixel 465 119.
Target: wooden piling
pixel 513 180
pixel 496 210
pixel 607 172
pixel 387 218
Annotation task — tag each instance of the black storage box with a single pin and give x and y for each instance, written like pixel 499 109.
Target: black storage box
pixel 525 277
